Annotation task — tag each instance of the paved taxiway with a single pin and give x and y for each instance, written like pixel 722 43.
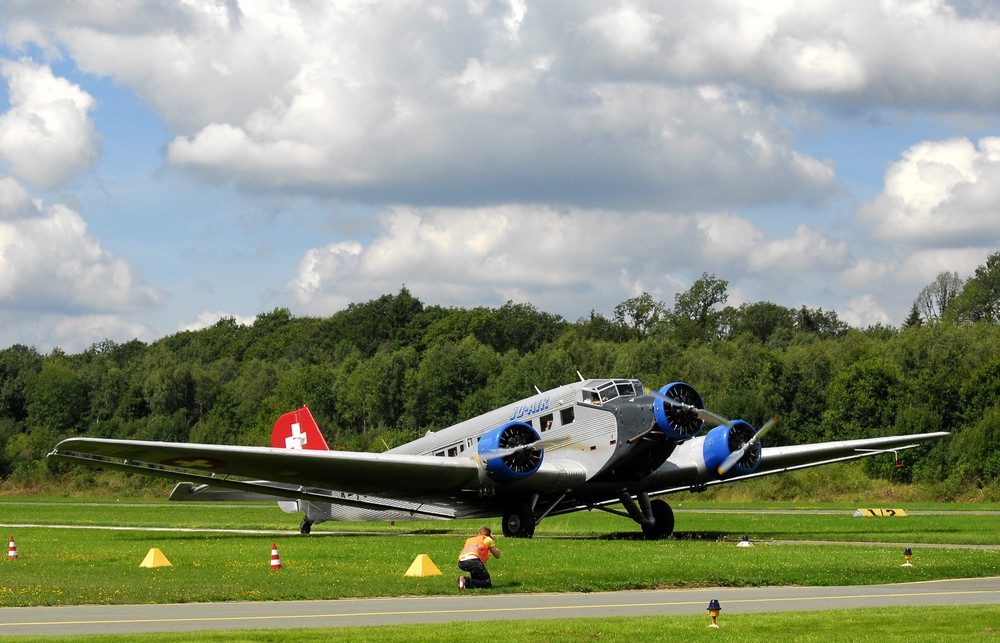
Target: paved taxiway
pixel 471 606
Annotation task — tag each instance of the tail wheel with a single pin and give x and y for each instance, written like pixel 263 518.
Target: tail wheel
pixel 663 521
pixel 519 521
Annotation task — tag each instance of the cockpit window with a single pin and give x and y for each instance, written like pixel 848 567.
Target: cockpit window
pixel 625 389
pixel 607 390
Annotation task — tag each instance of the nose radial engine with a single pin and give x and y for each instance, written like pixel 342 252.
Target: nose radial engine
pixel 676 410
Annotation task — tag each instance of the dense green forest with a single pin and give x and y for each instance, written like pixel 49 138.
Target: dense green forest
pixel 380 373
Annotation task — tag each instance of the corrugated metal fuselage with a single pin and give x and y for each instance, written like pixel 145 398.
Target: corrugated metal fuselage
pixel 604 447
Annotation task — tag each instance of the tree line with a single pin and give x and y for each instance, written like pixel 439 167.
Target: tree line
pixel 383 372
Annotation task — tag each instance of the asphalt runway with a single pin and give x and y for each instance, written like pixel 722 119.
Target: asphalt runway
pixel 472 606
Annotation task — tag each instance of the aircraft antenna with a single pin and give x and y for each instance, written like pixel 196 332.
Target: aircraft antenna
pixel 538 390
pixel 580 376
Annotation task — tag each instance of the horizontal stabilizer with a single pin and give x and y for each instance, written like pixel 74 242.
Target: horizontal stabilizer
pixel 189 492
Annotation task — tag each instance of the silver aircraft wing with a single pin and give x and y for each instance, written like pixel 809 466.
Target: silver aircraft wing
pixel 343 477
pixel 689 474
pixel 277 470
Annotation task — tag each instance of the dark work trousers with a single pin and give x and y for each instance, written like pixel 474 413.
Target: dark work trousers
pixel 477 570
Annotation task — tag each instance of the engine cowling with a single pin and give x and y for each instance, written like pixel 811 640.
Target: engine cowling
pixel 723 440
pixel 677 422
pixel 504 469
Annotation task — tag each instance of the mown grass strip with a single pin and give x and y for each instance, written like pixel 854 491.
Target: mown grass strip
pixel 91 566
pixel 884 625
pixel 948 526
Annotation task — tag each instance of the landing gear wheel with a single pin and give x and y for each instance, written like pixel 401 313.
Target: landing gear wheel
pixel 519 521
pixel 663 521
pixel 305 526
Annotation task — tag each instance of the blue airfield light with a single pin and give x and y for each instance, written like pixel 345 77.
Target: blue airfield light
pixel 713 610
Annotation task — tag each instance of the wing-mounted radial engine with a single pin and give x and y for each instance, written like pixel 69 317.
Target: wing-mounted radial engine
pixel 733 449
pixel 511 452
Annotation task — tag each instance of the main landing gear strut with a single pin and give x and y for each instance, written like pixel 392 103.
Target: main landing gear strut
pixel 654 516
pixel 519 521
pixel 520 518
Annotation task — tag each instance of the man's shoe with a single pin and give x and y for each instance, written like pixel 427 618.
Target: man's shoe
pixel 461 582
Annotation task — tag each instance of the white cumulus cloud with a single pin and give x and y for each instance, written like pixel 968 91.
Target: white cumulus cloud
pixel 208 318
pixel 575 260
pixel 400 102
pixel 46 137
pixel 940 194
pixel 50 262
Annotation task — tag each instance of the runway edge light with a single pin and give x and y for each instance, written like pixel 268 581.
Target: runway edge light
pixel 713 610
pixel 907 554
pixel 155 558
pixel 422 565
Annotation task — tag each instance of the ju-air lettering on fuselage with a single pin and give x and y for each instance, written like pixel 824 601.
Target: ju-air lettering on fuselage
pixel 530 409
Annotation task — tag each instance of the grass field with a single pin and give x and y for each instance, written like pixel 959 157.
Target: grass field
pixel 951 523
pixel 596 551
pixel 570 553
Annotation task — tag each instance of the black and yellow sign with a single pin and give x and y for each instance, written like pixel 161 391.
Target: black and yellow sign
pixel 878 513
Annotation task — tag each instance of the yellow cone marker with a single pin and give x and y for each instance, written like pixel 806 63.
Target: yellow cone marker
pixel 155 558
pixel 422 565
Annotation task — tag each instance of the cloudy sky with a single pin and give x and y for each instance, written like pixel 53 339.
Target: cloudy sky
pixel 164 164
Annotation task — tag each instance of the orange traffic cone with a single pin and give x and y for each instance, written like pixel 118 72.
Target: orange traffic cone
pixel 275 561
pixel 11 550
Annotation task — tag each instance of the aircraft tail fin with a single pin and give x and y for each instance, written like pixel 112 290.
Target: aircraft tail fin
pixel 298 430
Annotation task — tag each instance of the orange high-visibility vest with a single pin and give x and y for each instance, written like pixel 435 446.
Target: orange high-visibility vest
pixel 476 545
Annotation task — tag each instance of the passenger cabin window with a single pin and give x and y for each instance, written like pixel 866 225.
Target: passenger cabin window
pixel 453 451
pixel 546 422
pixel 566 416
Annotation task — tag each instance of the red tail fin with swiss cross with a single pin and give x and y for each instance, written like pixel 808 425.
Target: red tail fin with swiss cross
pixel 298 430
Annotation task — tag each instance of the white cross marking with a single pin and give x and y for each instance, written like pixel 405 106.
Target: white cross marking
pixel 297 439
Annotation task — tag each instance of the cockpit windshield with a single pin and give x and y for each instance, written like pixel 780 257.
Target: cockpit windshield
pixel 602 391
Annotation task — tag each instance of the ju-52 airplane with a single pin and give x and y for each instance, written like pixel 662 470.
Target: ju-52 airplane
pixel 592 444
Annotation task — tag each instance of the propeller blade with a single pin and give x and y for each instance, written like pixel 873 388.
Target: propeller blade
pixel 733 458
pixel 703 414
pixel 738 454
pixel 764 429
pixel 537 445
pixel 708 416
